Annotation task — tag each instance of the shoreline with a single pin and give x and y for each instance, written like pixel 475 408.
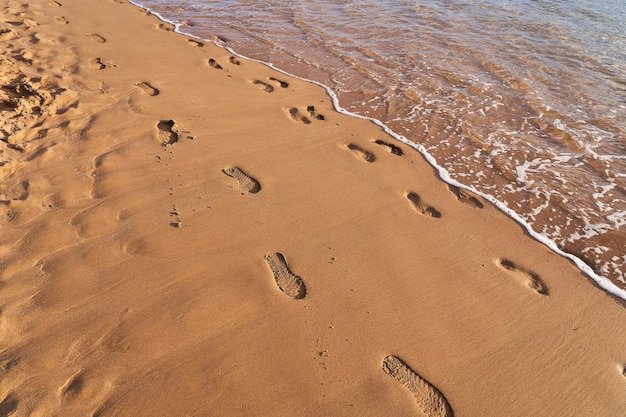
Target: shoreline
pixel 602 282
pixel 192 233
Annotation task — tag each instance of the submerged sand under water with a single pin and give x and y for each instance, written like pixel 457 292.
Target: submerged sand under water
pixel 522 101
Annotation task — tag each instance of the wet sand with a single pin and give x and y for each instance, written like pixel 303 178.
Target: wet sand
pixel 189 233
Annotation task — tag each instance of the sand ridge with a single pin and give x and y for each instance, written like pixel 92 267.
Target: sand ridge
pixel 137 280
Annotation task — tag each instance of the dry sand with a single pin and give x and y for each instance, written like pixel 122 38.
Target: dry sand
pixel 184 235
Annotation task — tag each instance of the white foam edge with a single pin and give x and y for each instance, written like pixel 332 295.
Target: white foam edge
pixel 443 173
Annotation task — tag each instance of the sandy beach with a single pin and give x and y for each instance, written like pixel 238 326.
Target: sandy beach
pixel 189 233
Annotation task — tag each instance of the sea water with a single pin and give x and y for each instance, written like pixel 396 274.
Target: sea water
pixel 523 101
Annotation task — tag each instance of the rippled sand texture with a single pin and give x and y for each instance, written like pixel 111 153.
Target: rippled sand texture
pixel 178 239
pixel 524 102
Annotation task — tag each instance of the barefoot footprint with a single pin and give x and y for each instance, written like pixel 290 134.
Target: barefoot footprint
pixel 265 86
pixel 295 115
pixel 213 64
pixel 396 150
pixel 195 43
pixel 361 153
pixel 289 283
pixel 314 114
pixel 246 182
pixel 420 207
pixel 147 89
pixel 532 280
pixel 281 83
pixel 465 198
pixel 164 26
pixel 95 37
pixel 430 401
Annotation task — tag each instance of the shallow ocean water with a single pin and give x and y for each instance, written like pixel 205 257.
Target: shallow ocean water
pixel 522 100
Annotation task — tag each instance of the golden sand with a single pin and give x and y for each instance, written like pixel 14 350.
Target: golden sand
pixel 187 233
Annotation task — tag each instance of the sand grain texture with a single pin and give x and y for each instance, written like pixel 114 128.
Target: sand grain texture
pixel 429 400
pixel 133 276
pixel 292 285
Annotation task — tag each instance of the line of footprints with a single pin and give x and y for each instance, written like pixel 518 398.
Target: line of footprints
pixel 429 400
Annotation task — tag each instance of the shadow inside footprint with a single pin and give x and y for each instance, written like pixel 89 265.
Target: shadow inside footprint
pixel 8 405
pixel 532 280
pixel 165 26
pixel 430 401
pixel 422 208
pixel 314 114
pixel 234 61
pixel 147 89
pixel 464 197
pixel 195 43
pixel 246 182
pixel 281 83
pixel 213 64
pixel 97 64
pixel 95 37
pixel 265 86
pixel 396 150
pixel 363 154
pixel 168 133
pixel 289 283
pixel 295 115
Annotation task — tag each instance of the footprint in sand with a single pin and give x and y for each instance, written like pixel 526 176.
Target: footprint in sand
pixel 52 202
pixel 465 197
pixel 168 132
pixel 234 61
pixel 213 64
pixel 147 89
pixel 246 182
pixel 264 86
pixel 164 26
pixel 430 401
pixel 532 280
pixel 54 3
pixel 289 283
pixel 9 405
pixel 177 220
pixel 421 207
pixel 281 83
pixel 361 153
pixel 195 43
pixel 295 115
pixel 6 34
pixel 314 114
pixel 396 150
pixel 73 385
pixel 97 64
pixel 95 37
pixel 61 20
